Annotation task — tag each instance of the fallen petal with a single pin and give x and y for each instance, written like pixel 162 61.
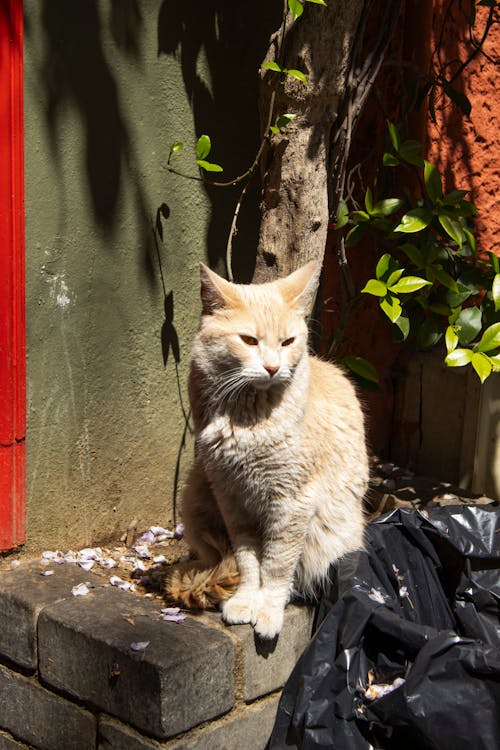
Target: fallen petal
pixel 173 618
pixel 147 538
pixel 81 590
pixel 142 550
pixel 47 573
pixel 139 646
pixel 108 562
pixel 377 596
pixel 87 564
pixel 179 530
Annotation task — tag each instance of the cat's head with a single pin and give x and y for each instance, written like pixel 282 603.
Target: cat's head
pixel 255 334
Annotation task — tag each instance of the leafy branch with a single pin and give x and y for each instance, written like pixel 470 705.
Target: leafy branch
pixel 431 282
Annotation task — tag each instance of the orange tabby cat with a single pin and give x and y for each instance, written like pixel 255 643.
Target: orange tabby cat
pixel 281 466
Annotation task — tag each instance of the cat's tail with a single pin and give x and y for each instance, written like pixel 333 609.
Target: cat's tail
pixel 194 586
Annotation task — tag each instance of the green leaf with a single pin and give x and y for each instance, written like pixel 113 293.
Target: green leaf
pixel 271 65
pixel 375 287
pixel 342 215
pixel 490 339
pixel 429 333
pixel 452 228
pixel 482 365
pixel 394 277
pixel 361 367
pixel 394 135
pixel 274 129
pixel 409 284
pixel 455 299
pixel 451 339
pixel 383 265
pixel 360 216
pixel 444 278
pixel 208 166
pixel 432 182
pixel 495 263
pixel 391 307
pixel 403 324
pixel 203 147
pixel 438 308
pixel 495 290
pixel 355 235
pixel 389 160
pixel 414 221
pixel 413 253
pixel 296 74
pixel 284 119
pixel 317 2
pixel 468 324
pixel 296 8
pixel 495 362
pixel 369 200
pixel 176 148
pixel 387 206
pixel 459 357
pixel 470 239
pixel 410 152
pixel 454 197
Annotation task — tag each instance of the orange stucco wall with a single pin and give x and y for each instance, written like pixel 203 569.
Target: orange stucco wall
pixel 467 149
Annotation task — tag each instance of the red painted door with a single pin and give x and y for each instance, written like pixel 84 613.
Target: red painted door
pixel 12 313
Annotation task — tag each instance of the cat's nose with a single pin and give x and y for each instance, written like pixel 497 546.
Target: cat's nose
pixel 271 369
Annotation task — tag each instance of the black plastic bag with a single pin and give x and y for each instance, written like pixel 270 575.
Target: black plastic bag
pixel 416 618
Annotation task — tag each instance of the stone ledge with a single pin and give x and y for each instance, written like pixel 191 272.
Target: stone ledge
pixel 194 679
pixel 182 678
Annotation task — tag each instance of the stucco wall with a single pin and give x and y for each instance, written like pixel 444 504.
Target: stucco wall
pixel 108 87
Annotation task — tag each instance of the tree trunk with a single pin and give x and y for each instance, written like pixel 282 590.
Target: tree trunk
pixel 295 205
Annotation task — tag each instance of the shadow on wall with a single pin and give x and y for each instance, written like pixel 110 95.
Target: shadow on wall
pixel 75 70
pixel 221 45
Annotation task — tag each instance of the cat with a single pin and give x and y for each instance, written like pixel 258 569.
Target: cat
pixel 275 492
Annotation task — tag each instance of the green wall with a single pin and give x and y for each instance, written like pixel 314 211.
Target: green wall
pixel 108 87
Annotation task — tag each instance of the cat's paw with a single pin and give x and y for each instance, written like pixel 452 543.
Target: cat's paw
pixel 269 621
pixel 240 609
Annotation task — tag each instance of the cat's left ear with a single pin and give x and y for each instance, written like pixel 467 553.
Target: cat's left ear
pixel 216 292
pixel 300 287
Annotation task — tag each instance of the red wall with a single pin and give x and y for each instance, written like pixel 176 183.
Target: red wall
pixel 12 318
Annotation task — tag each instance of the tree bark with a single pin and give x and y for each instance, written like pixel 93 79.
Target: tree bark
pixel 295 205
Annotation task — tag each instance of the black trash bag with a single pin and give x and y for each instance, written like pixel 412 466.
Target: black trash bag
pixel 409 655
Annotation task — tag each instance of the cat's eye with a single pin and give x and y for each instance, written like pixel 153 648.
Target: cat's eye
pixel 288 342
pixel 249 340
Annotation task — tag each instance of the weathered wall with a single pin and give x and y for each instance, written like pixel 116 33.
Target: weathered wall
pixel 108 87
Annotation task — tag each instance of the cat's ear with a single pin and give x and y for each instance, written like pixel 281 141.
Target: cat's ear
pixel 299 288
pixel 216 292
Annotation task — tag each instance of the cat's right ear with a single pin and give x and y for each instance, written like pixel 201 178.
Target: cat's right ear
pixel 216 292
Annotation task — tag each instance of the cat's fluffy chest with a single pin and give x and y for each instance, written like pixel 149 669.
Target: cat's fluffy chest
pixel 254 460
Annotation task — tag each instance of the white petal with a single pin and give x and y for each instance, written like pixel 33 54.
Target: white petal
pixel 139 646
pixel 81 590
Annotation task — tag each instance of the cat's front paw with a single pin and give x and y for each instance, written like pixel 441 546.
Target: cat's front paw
pixel 240 609
pixel 269 621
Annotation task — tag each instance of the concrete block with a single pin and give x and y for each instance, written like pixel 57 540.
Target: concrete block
pixel 23 594
pixel 247 728
pixel 182 678
pixel 40 718
pixel 265 670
